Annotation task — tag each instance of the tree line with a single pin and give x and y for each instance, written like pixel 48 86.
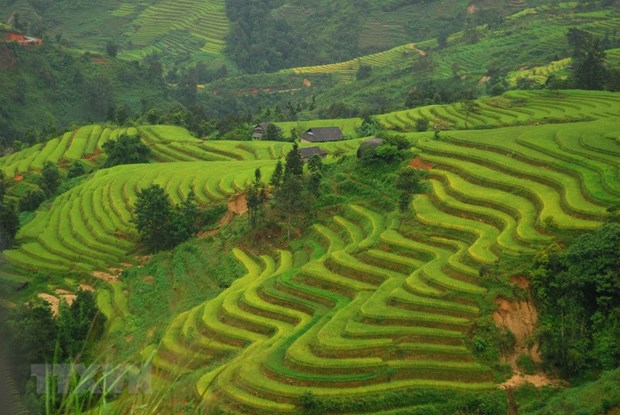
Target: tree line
pixel 577 289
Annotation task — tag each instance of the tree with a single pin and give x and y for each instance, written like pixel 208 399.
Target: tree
pixel 9 225
pixel 315 165
pixel 78 323
pixel 470 107
pixel 389 153
pixel 369 126
pixel 125 150
pixel 3 186
pixel 76 170
pixel 277 176
pixel 578 295
pixel 421 124
pixel 31 333
pixel 50 178
pixel 273 133
pixel 159 225
pixel 363 72
pixel 290 200
pixel 184 220
pixel 31 200
pixel 153 217
pixel 111 49
pixel 256 199
pixel 294 163
pixel 408 182
pixel 588 68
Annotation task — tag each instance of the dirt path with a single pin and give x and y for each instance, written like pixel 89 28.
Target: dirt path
pixel 237 205
pixel 54 300
pixel 520 317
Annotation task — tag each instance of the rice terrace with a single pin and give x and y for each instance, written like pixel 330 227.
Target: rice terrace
pixel 429 225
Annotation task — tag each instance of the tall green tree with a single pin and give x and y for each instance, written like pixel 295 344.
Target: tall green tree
pixel 31 333
pixel 76 170
pixel 9 225
pixel 291 201
pixel 578 294
pixel 291 197
pixel 470 107
pixel 315 167
pixel 184 220
pixel 277 176
pixel 9 221
pixel 408 182
pixel 294 165
pixel 3 185
pixel 588 68
pixel 256 199
pixel 79 324
pixel 273 133
pixel 125 150
pixel 50 178
pixel 153 217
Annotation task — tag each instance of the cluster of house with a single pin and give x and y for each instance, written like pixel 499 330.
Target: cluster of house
pixel 22 40
pixel 313 135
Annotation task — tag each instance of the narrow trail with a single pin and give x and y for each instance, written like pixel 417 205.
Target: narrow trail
pixel 54 300
pixel 237 206
pixel 520 317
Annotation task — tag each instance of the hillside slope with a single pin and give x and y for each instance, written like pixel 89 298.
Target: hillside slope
pixel 373 303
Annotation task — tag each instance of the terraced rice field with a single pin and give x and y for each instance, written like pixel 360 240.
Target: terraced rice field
pixel 540 74
pixel 84 144
pixel 204 20
pixel 167 143
pixel 347 70
pixel 367 306
pixel 377 308
pixel 89 227
pixel 350 322
pixel 513 108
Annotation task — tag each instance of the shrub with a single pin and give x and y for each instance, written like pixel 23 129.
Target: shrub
pixel 525 362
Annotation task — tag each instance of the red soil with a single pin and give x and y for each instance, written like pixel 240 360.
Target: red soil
pixel 237 205
pixel 418 164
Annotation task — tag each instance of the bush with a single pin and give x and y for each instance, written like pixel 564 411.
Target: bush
pixel 421 124
pixel 525 362
pixel 31 200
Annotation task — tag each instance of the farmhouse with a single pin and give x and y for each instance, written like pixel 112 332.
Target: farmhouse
pixel 261 129
pixel 307 153
pixel 22 40
pixel 322 134
pixel 368 148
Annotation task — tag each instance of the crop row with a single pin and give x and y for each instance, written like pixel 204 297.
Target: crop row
pixel 89 227
pixel 334 326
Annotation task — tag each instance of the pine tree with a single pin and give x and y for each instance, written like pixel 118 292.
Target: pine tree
pixel 2 186
pixel 588 69
pixel 315 165
pixel 9 225
pixel 50 178
pixel 184 220
pixel 290 200
pixel 277 176
pixel 256 199
pixel 294 163
pixel 408 182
